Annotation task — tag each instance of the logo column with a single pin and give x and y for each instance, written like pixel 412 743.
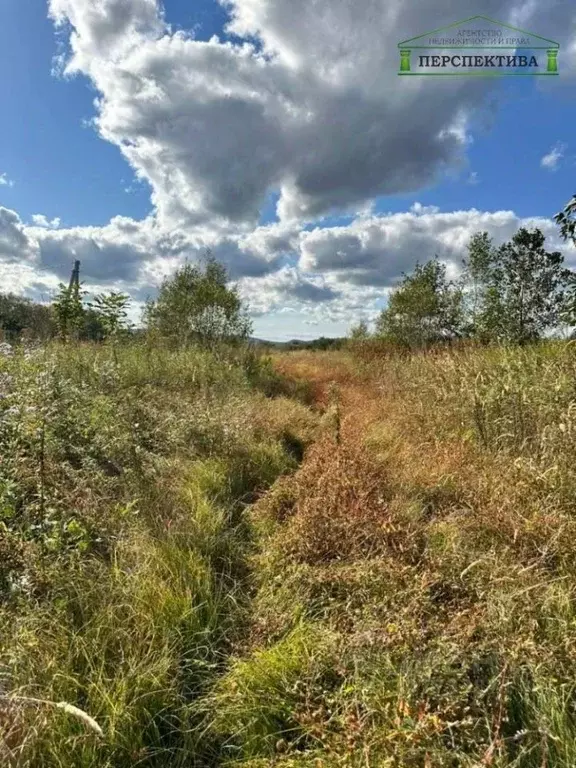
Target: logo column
pixel 552 60
pixel 404 60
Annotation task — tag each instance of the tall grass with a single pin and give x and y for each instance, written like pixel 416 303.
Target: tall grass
pixel 403 595
pixel 518 402
pixel 418 573
pixel 123 482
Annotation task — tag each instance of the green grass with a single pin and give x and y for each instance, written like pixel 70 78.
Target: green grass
pixel 219 576
pixel 124 478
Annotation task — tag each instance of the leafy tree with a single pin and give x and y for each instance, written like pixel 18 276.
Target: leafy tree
pixel 196 305
pixel 518 290
pixel 69 311
pixel 424 309
pixel 91 328
pixel 359 332
pixel 477 266
pixel 112 312
pixel 567 220
pixel 19 316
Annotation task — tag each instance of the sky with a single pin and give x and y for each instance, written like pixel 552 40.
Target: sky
pixel 277 133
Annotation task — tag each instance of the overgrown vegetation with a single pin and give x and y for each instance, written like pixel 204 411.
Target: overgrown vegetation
pixel 415 602
pixel 196 305
pixel 20 316
pixel 123 480
pixel 338 558
pixel 516 293
pixel 125 470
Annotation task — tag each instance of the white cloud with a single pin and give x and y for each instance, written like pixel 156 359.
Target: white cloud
pixel 288 289
pixel 375 251
pixel 15 243
pixel 551 160
pixel 307 103
pixel 420 209
pixel 42 221
pixel 5 181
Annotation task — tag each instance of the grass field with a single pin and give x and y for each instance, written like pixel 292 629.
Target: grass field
pixel 125 475
pixel 334 560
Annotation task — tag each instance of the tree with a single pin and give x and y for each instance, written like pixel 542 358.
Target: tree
pixel 91 328
pixel 359 336
pixel 196 305
pixel 19 316
pixel 518 290
pixel 112 312
pixel 567 221
pixel 324 343
pixel 476 268
pixel 424 309
pixel 359 332
pixel 69 311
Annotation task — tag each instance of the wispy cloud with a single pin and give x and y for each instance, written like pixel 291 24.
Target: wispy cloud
pixel 551 161
pixel 473 178
pixel 5 181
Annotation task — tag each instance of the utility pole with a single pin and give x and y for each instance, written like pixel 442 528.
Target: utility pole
pixel 69 302
pixel 74 278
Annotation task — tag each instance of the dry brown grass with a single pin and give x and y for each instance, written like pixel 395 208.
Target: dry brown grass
pixel 443 566
pixel 340 510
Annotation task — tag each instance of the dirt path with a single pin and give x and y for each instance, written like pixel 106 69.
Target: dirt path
pixel 336 385
pixel 406 589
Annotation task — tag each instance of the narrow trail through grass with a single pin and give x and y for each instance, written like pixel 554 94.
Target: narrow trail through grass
pixel 124 484
pixel 414 590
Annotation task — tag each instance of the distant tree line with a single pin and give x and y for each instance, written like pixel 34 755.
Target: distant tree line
pixel 194 306
pixel 22 318
pixel 321 344
pixel 19 316
pixel 515 293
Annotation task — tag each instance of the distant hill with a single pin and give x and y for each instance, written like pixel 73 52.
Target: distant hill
pixel 321 343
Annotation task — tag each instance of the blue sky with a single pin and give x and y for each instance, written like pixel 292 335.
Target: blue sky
pixel 57 164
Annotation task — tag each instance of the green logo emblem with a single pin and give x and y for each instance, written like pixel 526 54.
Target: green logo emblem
pixel 479 46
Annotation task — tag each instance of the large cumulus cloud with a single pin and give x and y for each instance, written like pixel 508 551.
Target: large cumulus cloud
pixel 302 100
pixel 312 108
